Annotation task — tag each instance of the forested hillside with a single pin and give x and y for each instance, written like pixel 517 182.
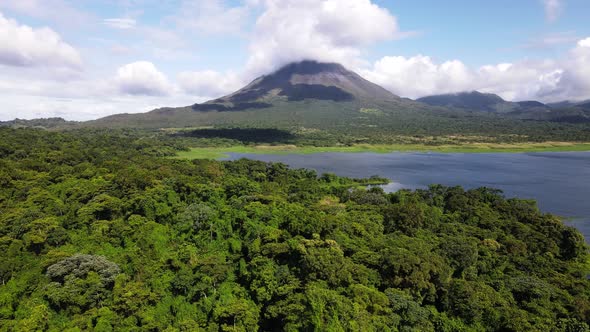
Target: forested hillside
pixel 100 231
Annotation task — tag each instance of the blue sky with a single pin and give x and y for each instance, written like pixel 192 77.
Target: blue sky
pixel 86 59
pixel 483 32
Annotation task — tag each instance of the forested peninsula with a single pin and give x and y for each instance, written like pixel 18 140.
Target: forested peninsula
pixel 103 231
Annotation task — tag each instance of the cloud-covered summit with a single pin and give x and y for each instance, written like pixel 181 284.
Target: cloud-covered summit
pixel 330 31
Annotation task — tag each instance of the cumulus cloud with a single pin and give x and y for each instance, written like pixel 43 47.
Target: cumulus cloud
pixel 584 42
pixel 325 30
pixel 519 81
pixel 567 78
pixel 575 80
pixel 419 75
pixel 85 98
pixel 23 46
pixel 209 83
pixel 142 78
pixel 553 9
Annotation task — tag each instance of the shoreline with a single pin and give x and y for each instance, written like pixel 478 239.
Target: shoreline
pixel 223 152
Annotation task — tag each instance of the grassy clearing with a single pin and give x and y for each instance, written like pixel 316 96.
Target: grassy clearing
pixel 373 111
pixel 221 152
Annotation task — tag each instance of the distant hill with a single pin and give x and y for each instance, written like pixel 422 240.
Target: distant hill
pixel 531 103
pixel 483 102
pixel 570 104
pixel 525 110
pixel 467 100
pixel 47 123
pixel 571 111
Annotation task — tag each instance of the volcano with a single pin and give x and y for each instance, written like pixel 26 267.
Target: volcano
pixel 312 95
pixel 301 81
pixel 307 94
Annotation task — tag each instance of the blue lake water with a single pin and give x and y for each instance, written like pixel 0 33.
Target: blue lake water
pixel 559 181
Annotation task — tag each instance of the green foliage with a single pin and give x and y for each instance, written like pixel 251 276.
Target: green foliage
pixel 99 232
pixel 313 122
pixel 80 282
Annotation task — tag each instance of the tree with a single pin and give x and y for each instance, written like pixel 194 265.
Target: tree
pixel 80 282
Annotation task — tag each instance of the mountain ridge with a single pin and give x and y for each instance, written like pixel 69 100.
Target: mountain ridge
pixel 476 101
pixel 480 101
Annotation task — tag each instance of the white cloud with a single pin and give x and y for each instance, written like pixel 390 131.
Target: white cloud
pixel 211 16
pixel 584 42
pixel 419 75
pixel 575 81
pixel 120 23
pixel 325 30
pixel 21 45
pixel 86 98
pixel 519 81
pixel 566 78
pixel 209 83
pixel 142 78
pixel 553 9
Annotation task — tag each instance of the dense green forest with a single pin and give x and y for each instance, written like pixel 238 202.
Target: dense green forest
pixel 100 231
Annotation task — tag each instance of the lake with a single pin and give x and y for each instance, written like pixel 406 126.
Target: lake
pixel 559 181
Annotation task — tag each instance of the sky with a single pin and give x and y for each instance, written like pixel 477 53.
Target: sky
pixel 86 59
